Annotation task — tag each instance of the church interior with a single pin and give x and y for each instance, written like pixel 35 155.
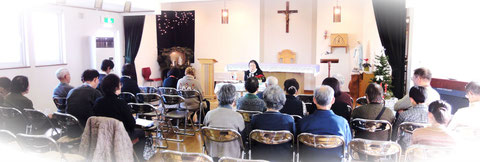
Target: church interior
pixel 153 59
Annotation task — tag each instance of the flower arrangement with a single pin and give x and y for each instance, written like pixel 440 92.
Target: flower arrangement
pixel 366 65
pixel 260 77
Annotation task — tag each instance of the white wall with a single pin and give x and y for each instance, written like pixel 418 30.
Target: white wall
pixel 237 41
pixel 147 52
pixel 358 22
pixel 80 24
pixel 445 42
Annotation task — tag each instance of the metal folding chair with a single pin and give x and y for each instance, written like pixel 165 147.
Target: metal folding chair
pixel 13 120
pixel 128 97
pixel 7 136
pixel 148 110
pixel 230 159
pixel 371 127
pixel 60 103
pixel 431 153
pixel 374 150
pixel 39 124
pixel 190 97
pixel 320 142
pixel 70 131
pixel 168 155
pixel 271 138
pixel 210 134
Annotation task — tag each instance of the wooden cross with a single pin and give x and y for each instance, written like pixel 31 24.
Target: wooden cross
pixel 287 13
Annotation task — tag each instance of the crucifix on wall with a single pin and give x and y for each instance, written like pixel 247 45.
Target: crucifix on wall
pixel 287 13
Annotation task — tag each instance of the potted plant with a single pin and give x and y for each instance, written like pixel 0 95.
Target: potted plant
pixel 366 65
pixel 260 77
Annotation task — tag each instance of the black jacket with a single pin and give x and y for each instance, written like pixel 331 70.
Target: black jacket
pixel 293 106
pixel 258 72
pixel 80 102
pixel 110 106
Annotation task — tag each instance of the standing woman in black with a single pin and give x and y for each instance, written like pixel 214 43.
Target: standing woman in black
pixel 253 70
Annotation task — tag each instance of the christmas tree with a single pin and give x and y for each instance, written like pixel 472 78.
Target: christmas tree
pixel 382 75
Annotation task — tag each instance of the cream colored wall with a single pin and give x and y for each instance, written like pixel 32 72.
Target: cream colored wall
pixel 147 52
pixel 358 22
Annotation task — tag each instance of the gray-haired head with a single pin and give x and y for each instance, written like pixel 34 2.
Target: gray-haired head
pixel 226 94
pixel 61 73
pixel 274 97
pixel 271 81
pixel 324 95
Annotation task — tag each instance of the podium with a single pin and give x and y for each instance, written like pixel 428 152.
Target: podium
pixel 329 61
pixel 206 77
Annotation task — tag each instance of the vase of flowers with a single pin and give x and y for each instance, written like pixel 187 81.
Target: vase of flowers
pixel 366 65
pixel 260 77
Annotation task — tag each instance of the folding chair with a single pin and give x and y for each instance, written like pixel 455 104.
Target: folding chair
pixel 13 120
pixel 374 150
pixel 60 103
pixel 230 159
pixel 128 97
pixel 320 142
pixel 143 109
pixel 220 135
pixel 371 127
pixel 431 153
pixel 39 124
pixel 269 137
pixel 191 96
pixel 168 155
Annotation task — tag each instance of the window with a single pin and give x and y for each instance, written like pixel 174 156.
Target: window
pixel 47 37
pixel 12 41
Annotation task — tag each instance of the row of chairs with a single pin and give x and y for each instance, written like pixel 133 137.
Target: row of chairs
pixel 37 144
pixel 373 149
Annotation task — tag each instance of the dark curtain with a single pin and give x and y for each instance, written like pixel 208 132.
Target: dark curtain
pixel 391 23
pixel 133 26
pixel 176 28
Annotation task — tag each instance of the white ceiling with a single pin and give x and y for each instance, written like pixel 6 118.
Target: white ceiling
pixel 118 5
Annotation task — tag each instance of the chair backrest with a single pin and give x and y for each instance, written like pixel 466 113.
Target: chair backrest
pixel 361 101
pixel 247 115
pixel 429 153
pixel 148 89
pixel 68 123
pixel 146 72
pixel 149 97
pixel 7 136
pixel 60 103
pixel 191 94
pixel 37 143
pixel 270 137
pixel 296 118
pixel 305 98
pixel 168 155
pixel 320 141
pixel 167 91
pixel 286 57
pixel 128 97
pixel 171 99
pixel 373 148
pixel 372 126
pixel 230 159
pixel 13 120
pixel 36 122
pixel 220 135
pixel 142 108
pixel 409 127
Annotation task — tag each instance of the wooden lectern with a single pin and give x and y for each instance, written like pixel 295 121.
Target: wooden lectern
pixel 206 77
pixel 329 61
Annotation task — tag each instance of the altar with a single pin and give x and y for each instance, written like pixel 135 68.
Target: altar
pixel 281 71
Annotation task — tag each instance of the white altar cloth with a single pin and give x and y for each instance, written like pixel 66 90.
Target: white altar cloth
pixel 289 68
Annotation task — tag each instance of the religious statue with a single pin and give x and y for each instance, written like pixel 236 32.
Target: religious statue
pixel 358 57
pixel 175 57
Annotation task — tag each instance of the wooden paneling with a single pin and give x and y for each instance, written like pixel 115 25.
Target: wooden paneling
pixel 282 76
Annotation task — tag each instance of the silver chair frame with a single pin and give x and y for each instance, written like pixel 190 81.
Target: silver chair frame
pixel 372 129
pixel 131 95
pixel 157 130
pixel 284 132
pixel 23 144
pixel 374 144
pixel 45 117
pixel 206 139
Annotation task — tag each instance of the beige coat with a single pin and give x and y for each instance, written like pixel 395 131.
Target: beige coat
pixel 105 139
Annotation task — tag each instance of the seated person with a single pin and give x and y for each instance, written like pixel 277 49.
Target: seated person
pixel 225 117
pixel 340 107
pixel 111 106
pixel 188 82
pixel 271 81
pixel 339 95
pixel 324 122
pixel 421 77
pixel 129 83
pixel 253 71
pixel 63 88
pixel 172 78
pixel 374 110
pixel 250 101
pixel 106 68
pixel 5 85
pixel 16 98
pixel 467 117
pixel 272 119
pixel 293 106
pixel 80 100
pixel 439 114
pixel 418 114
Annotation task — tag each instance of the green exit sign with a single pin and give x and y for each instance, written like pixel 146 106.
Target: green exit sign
pixel 108 20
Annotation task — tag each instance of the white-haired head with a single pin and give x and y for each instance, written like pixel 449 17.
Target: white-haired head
pixel 63 75
pixel 271 81
pixel 324 96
